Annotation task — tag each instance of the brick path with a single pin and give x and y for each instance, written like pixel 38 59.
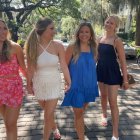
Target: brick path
pixel 30 123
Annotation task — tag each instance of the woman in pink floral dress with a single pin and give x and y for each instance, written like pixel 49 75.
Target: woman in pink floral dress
pixel 11 89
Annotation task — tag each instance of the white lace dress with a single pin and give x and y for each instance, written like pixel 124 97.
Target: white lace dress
pixel 47 79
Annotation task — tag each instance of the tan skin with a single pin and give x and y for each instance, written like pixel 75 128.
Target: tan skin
pixel 49 106
pixel 9 114
pixel 78 112
pixel 110 92
pixel 84 37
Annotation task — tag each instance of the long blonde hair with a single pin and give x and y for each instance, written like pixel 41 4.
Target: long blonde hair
pixel 92 42
pixel 32 42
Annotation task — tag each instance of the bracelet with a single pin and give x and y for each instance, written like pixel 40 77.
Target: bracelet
pixel 125 82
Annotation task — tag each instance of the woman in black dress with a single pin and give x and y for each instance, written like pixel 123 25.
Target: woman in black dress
pixel 108 71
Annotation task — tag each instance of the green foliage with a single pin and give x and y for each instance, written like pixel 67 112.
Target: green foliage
pixel 133 25
pixel 12 24
pixel 26 13
pixel 68 26
pixel 70 8
pixel 91 11
pixel 138 51
pixel 115 4
pixel 21 42
pixel 131 34
pixel 98 30
pixel 124 36
pixel 57 12
pixel 131 43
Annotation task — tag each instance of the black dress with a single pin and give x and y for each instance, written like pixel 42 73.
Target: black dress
pixel 108 70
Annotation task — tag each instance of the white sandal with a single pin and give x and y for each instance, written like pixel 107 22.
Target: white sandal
pixel 56 134
pixel 104 121
pixel 114 138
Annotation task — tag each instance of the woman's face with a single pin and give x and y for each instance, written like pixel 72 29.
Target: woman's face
pixel 110 25
pixel 3 32
pixel 84 34
pixel 49 32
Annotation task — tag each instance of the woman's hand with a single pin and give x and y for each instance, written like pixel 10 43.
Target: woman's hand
pixel 30 89
pixel 67 87
pixel 125 85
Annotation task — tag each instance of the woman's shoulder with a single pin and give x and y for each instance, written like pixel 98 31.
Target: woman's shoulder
pixel 117 39
pixel 14 44
pixel 57 44
pixel 58 47
pixel 15 47
pixel 70 47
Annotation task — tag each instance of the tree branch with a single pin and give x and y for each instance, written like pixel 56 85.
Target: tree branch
pixel 29 7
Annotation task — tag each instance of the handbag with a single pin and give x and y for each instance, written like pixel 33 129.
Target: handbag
pixel 131 80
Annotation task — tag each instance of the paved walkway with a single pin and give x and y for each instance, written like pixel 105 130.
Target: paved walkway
pixel 30 123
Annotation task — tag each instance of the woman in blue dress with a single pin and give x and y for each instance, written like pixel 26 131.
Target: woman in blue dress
pixel 81 57
pixel 108 72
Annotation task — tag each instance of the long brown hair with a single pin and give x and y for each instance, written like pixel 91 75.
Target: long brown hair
pixel 92 41
pixel 5 54
pixel 32 43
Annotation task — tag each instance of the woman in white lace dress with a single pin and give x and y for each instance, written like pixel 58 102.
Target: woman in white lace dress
pixel 44 81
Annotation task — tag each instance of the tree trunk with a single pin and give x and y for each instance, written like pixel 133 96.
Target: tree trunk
pixel 137 41
pixel 13 31
pixel 14 35
pixel 0 14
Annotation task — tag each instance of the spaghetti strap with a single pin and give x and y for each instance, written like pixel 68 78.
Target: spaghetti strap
pixel 46 46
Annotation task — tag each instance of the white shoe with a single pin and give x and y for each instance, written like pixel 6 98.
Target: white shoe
pixel 104 121
pixel 114 138
pixel 56 134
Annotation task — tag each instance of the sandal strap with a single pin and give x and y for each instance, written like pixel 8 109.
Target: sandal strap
pixel 56 134
pixel 104 120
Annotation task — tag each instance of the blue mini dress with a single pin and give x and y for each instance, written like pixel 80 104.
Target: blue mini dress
pixel 84 88
pixel 108 70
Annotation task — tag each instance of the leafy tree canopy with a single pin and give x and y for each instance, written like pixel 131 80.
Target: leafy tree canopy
pixel 19 12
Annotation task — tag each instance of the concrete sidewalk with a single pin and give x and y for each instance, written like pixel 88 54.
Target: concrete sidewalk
pixel 30 123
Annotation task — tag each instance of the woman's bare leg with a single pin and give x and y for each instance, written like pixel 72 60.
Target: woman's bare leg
pixel 112 96
pixel 10 120
pixel 104 98
pixel 49 109
pixel 79 122
pixel 42 104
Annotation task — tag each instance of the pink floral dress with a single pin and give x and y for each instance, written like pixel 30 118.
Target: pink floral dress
pixel 11 88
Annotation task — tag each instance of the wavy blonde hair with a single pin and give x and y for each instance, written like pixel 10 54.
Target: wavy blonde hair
pixel 116 19
pixel 32 42
pixel 92 42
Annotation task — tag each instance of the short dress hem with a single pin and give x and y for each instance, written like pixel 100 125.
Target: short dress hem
pixel 11 88
pixel 108 70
